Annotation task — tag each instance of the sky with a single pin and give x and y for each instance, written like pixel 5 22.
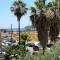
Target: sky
pixel 7 17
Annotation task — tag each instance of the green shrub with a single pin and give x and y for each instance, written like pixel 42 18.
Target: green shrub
pixel 51 54
pixel 17 51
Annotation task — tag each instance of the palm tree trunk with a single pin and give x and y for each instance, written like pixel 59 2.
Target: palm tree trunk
pixel 42 30
pixel 43 38
pixel 11 32
pixel 43 50
pixel 19 30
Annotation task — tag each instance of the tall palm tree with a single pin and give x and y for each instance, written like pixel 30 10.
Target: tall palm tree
pixel 19 9
pixel 54 31
pixel 42 23
pixel 39 21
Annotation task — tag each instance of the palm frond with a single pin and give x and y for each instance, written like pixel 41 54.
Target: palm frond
pixel 50 4
pixel 19 8
pixel 32 19
pixel 39 4
pixel 33 9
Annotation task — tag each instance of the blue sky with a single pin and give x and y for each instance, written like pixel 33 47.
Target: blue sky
pixel 7 17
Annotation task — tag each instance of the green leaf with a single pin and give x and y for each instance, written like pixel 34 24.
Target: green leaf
pixel 33 9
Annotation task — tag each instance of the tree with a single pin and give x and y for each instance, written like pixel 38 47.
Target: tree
pixel 44 21
pixel 25 37
pixel 19 9
pixel 54 31
pixel 40 22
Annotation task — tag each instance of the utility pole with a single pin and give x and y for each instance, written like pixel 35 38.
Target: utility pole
pixel 0 39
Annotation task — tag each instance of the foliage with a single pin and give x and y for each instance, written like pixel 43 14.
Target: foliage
pixel 29 38
pixel 52 54
pixel 19 8
pixel 39 21
pixel 33 9
pixel 25 36
pixel 24 39
pixel 16 51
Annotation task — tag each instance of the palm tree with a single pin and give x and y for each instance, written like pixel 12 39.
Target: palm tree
pixel 39 21
pixel 19 9
pixel 43 23
pixel 54 31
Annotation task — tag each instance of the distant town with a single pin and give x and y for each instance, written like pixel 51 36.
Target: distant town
pixel 6 33
pixel 30 30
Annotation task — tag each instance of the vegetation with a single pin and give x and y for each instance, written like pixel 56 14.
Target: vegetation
pixel 25 37
pixel 19 9
pixel 17 52
pixel 52 54
pixel 42 23
pixel 44 18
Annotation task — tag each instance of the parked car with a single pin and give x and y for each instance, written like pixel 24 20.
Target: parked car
pixel 39 45
pixel 13 42
pixel 32 48
pixel 8 42
pixel 30 44
pixel 5 43
pixel 49 45
pixel 2 51
pixel 35 50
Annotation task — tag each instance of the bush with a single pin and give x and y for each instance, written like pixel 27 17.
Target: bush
pixel 16 51
pixel 51 54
